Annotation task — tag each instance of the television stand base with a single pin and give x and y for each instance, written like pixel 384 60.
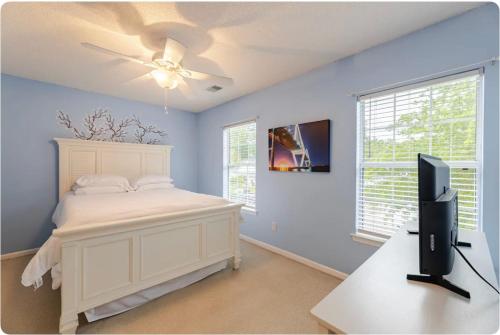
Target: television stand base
pixel 439 280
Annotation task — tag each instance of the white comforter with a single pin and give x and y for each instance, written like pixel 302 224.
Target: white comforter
pixel 74 210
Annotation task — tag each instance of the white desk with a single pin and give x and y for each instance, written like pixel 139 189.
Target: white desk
pixel 377 298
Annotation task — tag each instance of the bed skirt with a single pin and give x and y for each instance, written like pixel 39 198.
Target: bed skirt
pixel 126 303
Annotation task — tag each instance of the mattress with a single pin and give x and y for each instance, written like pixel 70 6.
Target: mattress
pixel 75 210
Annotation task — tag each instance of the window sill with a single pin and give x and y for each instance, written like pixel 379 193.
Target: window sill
pixel 248 210
pixel 374 241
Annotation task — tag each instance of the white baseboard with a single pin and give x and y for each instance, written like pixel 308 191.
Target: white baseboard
pixel 18 253
pixel 295 257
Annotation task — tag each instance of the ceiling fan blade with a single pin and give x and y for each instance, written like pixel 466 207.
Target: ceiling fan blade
pixel 117 54
pixel 185 89
pixel 212 78
pixel 139 79
pixel 174 51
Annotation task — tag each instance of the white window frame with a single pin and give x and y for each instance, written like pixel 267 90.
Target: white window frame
pixel 375 239
pixel 225 163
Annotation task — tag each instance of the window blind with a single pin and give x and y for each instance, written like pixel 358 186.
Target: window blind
pixel 440 118
pixel 239 163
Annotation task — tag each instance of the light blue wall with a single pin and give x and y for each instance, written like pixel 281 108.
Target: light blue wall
pixel 316 212
pixel 29 163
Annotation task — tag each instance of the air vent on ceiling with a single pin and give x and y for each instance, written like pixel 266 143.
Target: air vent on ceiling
pixel 214 88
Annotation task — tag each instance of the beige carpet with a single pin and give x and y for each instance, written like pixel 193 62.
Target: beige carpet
pixel 268 294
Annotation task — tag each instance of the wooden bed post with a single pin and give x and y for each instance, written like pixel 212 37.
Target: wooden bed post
pixel 69 288
pixel 237 253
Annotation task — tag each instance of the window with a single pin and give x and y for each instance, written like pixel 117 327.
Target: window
pixel 239 163
pixel 441 118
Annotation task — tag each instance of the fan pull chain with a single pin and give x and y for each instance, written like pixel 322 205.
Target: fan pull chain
pixel 165 100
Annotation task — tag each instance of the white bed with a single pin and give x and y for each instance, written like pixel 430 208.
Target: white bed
pixel 111 246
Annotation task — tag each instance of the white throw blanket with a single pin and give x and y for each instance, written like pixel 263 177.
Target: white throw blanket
pixel 74 210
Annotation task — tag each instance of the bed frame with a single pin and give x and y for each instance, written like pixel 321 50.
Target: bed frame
pixel 107 261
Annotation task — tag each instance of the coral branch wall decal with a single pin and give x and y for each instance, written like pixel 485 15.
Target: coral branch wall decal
pixel 145 133
pixel 117 129
pixel 100 125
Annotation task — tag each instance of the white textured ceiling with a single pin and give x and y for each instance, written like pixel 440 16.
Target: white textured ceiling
pixel 256 44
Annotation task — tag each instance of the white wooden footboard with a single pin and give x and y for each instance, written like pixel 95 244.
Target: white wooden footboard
pixel 101 263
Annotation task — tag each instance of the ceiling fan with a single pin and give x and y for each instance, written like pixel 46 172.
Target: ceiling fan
pixel 167 68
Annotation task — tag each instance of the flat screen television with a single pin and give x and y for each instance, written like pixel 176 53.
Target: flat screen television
pixel 438 216
pixel 438 223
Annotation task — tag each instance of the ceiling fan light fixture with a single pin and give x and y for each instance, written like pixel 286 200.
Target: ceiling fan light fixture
pixel 167 68
pixel 165 79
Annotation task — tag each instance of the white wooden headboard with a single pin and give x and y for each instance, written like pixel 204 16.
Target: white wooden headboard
pixel 131 160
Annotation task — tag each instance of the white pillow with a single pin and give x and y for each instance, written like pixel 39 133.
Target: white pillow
pixel 150 179
pixel 98 190
pixel 102 180
pixel 158 186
